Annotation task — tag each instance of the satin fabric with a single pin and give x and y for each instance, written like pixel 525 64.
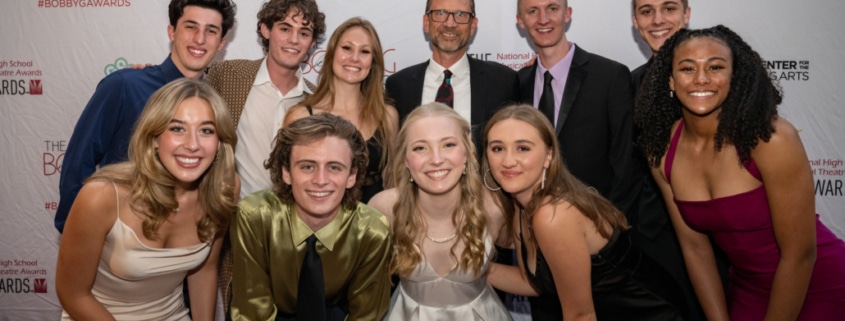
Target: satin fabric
pixel 268 246
pixel 616 294
pixel 741 225
pixel 138 282
pixel 459 295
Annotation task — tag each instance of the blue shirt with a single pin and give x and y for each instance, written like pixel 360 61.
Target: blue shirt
pixel 102 133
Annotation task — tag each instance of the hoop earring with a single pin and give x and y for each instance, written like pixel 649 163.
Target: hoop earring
pixel 484 180
pixel 543 183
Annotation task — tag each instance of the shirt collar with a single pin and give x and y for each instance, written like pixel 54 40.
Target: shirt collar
pixel 561 69
pixel 326 235
pixel 263 78
pixel 460 69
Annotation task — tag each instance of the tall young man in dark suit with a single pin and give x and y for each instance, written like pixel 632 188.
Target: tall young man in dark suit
pixel 480 87
pixel 593 102
pixel 589 100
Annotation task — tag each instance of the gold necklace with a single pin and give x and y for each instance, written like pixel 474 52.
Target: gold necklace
pixel 442 239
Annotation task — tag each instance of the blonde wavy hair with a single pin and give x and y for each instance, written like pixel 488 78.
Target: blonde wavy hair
pixel 151 184
pixel 468 218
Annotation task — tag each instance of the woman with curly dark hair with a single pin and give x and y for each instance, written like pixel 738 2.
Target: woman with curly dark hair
pixel 730 168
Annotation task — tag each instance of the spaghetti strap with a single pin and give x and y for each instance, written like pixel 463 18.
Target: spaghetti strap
pixel 670 153
pixel 116 200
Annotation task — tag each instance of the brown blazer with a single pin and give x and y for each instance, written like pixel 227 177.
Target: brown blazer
pixel 233 80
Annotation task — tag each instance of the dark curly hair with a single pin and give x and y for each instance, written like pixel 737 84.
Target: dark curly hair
pixel 746 114
pixel 276 10
pixel 308 130
pixel 226 8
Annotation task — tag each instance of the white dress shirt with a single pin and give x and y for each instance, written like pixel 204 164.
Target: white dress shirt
pixel 460 85
pixel 262 117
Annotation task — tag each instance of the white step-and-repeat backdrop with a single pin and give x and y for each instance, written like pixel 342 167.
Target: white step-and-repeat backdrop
pixel 54 52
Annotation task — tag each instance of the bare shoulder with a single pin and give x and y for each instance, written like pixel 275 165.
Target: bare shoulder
pixel 554 217
pixel 785 139
pixel 97 202
pixel 391 110
pixel 393 117
pixel 384 201
pixel 296 112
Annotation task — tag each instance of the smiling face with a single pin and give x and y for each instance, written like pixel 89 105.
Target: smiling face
pixel 701 75
pixel 450 37
pixel 289 41
pixel 319 174
pixel 196 38
pixel 657 20
pixel 545 21
pixel 353 56
pixel 435 155
pixel 517 156
pixel 188 145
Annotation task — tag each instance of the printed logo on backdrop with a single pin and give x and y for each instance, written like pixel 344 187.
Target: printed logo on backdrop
pixel 118 64
pixel 22 277
pixel 51 162
pixel 15 78
pixel 83 3
pixel 54 153
pixel 514 60
pixel 314 62
pixel 788 70
pixel 828 174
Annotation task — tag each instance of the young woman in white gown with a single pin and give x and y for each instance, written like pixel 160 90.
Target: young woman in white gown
pixel 443 235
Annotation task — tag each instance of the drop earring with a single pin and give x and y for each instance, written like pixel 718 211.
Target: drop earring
pixel 671 94
pixel 543 182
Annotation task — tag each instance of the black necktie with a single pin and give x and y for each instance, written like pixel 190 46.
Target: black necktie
pixel 547 99
pixel 444 93
pixel 311 297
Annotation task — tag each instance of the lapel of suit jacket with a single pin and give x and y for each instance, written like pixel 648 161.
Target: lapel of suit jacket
pixel 417 81
pixel 526 83
pixel 478 108
pixel 573 85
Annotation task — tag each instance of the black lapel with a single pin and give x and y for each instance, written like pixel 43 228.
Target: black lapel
pixel 478 106
pixel 573 85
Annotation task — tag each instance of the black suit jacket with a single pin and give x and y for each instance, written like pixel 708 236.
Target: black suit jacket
pixel 595 125
pixel 492 86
